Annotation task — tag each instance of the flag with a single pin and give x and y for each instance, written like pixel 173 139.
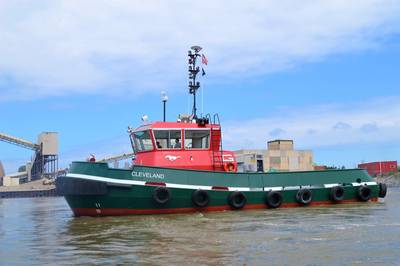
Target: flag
pixel 203 72
pixel 204 59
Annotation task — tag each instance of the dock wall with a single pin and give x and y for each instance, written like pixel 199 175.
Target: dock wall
pixel 29 193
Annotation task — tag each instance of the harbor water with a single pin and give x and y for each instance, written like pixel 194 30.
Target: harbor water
pixel 42 231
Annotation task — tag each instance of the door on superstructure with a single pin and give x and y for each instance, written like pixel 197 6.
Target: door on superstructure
pixel 260 166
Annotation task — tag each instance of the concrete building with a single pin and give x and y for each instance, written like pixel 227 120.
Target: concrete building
pixel 44 162
pixel 14 179
pixel 279 156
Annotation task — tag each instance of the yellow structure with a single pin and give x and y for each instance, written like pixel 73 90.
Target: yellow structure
pixel 280 156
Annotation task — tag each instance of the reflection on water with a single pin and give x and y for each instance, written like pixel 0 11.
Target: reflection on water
pixel 43 231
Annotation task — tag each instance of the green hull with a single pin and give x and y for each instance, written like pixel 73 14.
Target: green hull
pixel 93 189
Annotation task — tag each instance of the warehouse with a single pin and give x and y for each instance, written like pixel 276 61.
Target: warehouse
pixel 279 156
pixel 380 168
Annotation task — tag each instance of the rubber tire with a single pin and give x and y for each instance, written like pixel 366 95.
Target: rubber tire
pixel 382 190
pixel 337 193
pixel 200 198
pixel 364 193
pixel 273 199
pixel 161 195
pixel 237 200
pixel 300 196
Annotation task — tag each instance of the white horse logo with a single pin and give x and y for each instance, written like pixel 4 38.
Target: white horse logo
pixel 172 157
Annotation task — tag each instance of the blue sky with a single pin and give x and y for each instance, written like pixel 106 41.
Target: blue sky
pixel 324 73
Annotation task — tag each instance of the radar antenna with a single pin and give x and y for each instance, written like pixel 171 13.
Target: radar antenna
pixel 194 85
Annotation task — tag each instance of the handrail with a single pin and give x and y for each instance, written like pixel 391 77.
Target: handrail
pixel 216 118
pixel 117 157
pixel 208 116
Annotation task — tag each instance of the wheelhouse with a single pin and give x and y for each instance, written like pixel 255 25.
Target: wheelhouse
pixel 191 145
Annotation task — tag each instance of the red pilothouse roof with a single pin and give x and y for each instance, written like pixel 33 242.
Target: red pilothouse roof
pixel 177 125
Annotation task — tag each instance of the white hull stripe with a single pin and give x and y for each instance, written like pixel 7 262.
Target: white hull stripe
pixel 331 185
pixel 364 183
pixel 108 180
pixel 125 182
pixel 273 188
pixel 353 184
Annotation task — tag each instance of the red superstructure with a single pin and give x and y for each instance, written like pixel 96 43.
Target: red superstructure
pixel 186 145
pixel 190 143
pixel 380 168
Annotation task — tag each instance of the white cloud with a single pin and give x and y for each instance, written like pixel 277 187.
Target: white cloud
pixel 65 47
pixel 341 126
pixel 377 121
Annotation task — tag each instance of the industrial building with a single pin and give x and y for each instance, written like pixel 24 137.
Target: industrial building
pixel 44 162
pixel 279 156
pixel 380 168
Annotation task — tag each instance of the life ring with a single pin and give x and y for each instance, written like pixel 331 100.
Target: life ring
pixel 304 196
pixel 229 167
pixel 337 193
pixel 273 199
pixel 200 198
pixel 364 193
pixel 382 190
pixel 161 195
pixel 237 200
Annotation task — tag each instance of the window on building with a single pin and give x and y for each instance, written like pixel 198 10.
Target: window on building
pixel 142 141
pixel 168 139
pixel 197 139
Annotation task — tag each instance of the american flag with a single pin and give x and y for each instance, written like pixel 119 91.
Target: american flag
pixel 204 59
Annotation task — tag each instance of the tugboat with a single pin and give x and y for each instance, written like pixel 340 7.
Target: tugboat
pixel 181 167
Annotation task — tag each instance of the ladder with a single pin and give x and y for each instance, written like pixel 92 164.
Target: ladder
pixel 216 144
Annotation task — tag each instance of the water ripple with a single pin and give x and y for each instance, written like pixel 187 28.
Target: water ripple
pixel 43 232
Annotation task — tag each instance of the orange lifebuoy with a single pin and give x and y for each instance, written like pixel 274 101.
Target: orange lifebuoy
pixel 229 167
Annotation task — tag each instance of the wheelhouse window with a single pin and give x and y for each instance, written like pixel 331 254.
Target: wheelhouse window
pixel 168 138
pixel 142 141
pixel 197 139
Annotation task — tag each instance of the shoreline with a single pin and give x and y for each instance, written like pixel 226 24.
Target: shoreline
pixel 29 190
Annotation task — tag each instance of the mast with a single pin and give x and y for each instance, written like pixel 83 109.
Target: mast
pixel 194 85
